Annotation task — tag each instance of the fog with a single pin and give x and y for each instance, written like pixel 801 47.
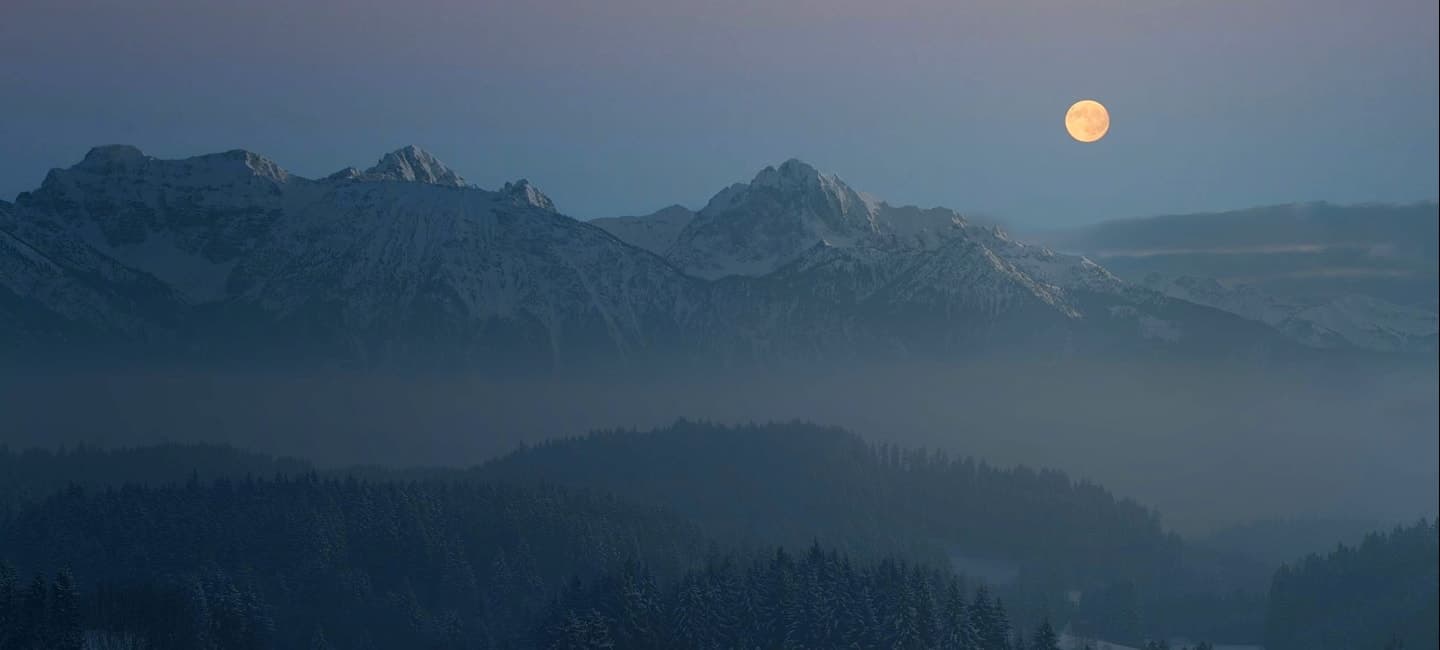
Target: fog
pixel 1206 444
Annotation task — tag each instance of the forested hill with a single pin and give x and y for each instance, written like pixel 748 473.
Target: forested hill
pixel 316 564
pixel 261 563
pixel 271 551
pixel 1381 594
pixel 33 474
pixel 1043 535
pixel 795 482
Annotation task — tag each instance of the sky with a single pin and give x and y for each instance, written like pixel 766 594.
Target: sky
pixel 617 107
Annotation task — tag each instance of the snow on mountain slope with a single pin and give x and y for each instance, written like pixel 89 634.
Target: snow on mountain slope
pixel 401 257
pixel 1355 321
pixel 812 245
pixel 521 193
pixel 184 222
pixel 911 227
pixel 413 164
pixel 966 272
pixel 754 228
pixel 1071 272
pixel 838 302
pixel 655 232
pixel 757 227
pixel 1245 301
pixel 1373 324
pixel 465 266
pixel 405 261
pixel 42 299
pixel 793 213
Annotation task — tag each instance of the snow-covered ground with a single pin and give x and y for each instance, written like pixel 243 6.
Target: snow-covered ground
pixel 1069 642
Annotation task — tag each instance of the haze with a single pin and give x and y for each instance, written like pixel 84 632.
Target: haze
pixel 624 107
pixel 1209 445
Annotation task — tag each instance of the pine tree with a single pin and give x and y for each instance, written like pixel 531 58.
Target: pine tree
pixel 63 623
pixel 318 640
pixel 1002 621
pixel 197 609
pixel 960 633
pixel 991 623
pixel 9 607
pixel 34 611
pixel 1045 638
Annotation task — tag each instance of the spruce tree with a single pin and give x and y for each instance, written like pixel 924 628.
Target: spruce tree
pixel 34 611
pixel 318 640
pixel 1045 638
pixel 63 624
pixel 9 607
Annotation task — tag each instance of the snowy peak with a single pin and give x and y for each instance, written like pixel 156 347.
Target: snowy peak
pixel 119 183
pixel 349 173
pixel 754 228
pixel 183 222
pixel 793 173
pixel 799 184
pixel 522 193
pixel 123 160
pixel 247 162
pixel 415 165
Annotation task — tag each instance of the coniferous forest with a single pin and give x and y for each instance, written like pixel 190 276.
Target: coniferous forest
pixel 693 536
pixel 1380 593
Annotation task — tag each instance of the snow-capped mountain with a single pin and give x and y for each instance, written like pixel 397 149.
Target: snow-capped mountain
pixel 401 260
pixel 229 255
pixel 795 227
pixel 754 228
pixel 1349 320
pixel 412 163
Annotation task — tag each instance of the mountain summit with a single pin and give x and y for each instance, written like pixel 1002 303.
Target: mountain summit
pixel 523 193
pixel 414 164
pixel 753 228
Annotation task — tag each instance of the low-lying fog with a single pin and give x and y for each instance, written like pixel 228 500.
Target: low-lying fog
pixel 1207 445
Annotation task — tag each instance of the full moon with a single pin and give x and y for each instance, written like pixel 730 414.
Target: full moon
pixel 1087 120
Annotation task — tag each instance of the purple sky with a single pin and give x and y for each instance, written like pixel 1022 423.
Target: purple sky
pixel 624 106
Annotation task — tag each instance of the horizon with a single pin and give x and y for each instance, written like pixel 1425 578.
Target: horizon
pixel 1019 227
pixel 634 104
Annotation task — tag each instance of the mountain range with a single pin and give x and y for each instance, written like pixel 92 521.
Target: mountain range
pixel 1348 320
pixel 1362 276
pixel 230 257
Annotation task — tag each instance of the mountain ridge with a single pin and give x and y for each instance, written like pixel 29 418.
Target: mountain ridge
pixel 226 254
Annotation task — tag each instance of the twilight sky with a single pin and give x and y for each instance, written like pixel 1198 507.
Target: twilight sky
pixel 624 106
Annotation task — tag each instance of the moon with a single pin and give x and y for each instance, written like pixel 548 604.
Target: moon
pixel 1087 120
